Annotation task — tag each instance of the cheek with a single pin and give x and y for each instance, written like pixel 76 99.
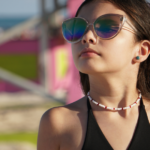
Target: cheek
pixel 117 51
pixel 83 65
pixel 115 55
pixel 75 52
pixel 121 44
pixel 73 47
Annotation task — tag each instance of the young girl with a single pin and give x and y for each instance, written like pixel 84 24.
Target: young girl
pixel 110 48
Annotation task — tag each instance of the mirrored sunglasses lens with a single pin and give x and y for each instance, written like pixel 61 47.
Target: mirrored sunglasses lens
pixel 73 29
pixel 108 26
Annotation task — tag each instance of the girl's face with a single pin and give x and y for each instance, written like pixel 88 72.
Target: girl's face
pixel 114 54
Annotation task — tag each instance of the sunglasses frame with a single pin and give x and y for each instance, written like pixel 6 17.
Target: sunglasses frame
pixel 124 19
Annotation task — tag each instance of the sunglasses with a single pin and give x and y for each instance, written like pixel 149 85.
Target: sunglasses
pixel 106 27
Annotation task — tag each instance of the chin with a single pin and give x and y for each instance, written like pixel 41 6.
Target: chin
pixel 88 70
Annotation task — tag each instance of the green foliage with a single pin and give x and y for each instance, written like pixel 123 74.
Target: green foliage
pixel 46 105
pixel 24 65
pixel 19 137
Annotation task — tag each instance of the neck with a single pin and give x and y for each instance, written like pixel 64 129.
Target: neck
pixel 113 91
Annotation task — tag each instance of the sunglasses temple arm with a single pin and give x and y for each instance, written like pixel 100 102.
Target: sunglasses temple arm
pixel 131 26
pixel 130 30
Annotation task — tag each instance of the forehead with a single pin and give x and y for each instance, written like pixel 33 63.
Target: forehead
pixel 95 9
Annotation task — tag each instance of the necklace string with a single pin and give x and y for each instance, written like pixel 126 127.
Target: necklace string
pixel 111 108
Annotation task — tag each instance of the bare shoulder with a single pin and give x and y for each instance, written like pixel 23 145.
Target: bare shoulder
pixel 57 115
pixel 147 107
pixel 56 121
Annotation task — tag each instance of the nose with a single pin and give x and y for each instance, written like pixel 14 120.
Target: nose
pixel 89 37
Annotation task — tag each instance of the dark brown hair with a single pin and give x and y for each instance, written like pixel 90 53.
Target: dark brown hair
pixel 139 13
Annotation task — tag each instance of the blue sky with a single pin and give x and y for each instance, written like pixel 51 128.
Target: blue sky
pixel 23 7
pixel 19 7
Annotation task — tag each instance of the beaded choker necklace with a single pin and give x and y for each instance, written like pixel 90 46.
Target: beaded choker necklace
pixel 110 108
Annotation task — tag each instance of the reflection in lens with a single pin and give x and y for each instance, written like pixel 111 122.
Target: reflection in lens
pixel 74 29
pixel 107 26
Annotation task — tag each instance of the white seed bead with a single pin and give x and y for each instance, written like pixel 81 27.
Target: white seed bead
pixel 90 98
pixel 138 100
pixel 133 105
pixel 102 105
pixel 118 108
pixel 110 108
pixel 95 102
pixel 125 108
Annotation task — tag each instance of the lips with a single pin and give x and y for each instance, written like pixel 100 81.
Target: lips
pixel 88 50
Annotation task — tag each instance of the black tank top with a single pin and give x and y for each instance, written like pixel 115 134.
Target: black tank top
pixel 95 139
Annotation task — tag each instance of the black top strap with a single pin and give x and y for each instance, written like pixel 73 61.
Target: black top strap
pixel 95 138
pixel 88 105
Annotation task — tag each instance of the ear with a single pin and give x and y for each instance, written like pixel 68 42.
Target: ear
pixel 144 51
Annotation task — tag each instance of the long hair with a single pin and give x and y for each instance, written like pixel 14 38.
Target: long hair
pixel 139 13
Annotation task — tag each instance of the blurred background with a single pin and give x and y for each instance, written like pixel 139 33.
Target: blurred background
pixel 36 67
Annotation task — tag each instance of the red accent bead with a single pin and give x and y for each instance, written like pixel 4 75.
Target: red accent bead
pixel 97 104
pixel 115 108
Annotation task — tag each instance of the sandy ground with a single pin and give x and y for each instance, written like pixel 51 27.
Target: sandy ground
pixel 26 120
pixel 20 120
pixel 20 113
pixel 17 146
